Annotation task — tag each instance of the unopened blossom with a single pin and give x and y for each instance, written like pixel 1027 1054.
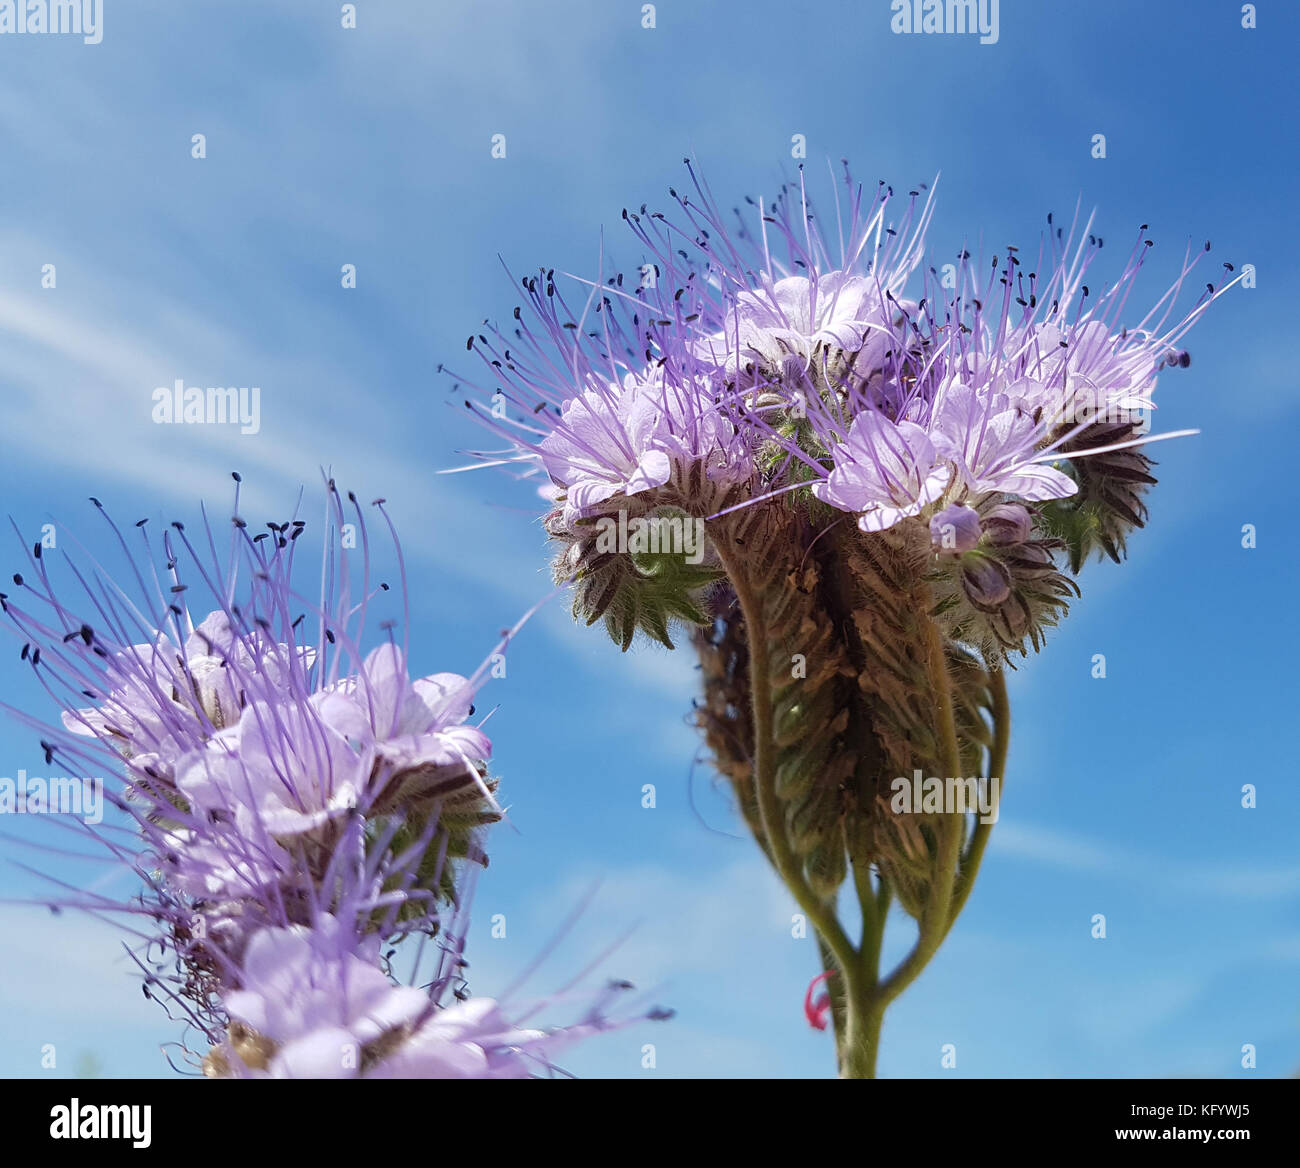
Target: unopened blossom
pixel 956 528
pixel 986 582
pixel 1006 523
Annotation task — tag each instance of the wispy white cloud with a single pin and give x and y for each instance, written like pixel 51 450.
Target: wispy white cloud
pixel 1221 878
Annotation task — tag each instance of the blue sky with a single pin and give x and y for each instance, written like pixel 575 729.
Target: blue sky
pixel 371 146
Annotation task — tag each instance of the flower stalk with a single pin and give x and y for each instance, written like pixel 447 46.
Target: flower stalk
pixel 894 488
pixel 858 997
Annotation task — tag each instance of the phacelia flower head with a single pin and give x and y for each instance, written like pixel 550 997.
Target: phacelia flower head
pixel 782 351
pixel 296 806
pixel 897 461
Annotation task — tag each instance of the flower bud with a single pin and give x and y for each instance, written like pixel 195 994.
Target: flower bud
pixel 1007 524
pixel 955 529
pixel 985 581
pixel 1110 501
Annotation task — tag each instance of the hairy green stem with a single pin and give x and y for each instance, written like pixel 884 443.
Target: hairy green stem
pixel 858 995
pixel 862 1040
pixel 835 990
pixel 970 863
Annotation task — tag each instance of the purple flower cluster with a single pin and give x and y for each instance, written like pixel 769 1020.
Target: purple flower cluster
pixel 294 805
pixel 777 356
pixel 908 405
pixel 316 1003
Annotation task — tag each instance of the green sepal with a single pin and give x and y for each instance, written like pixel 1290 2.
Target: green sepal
pixel 643 591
